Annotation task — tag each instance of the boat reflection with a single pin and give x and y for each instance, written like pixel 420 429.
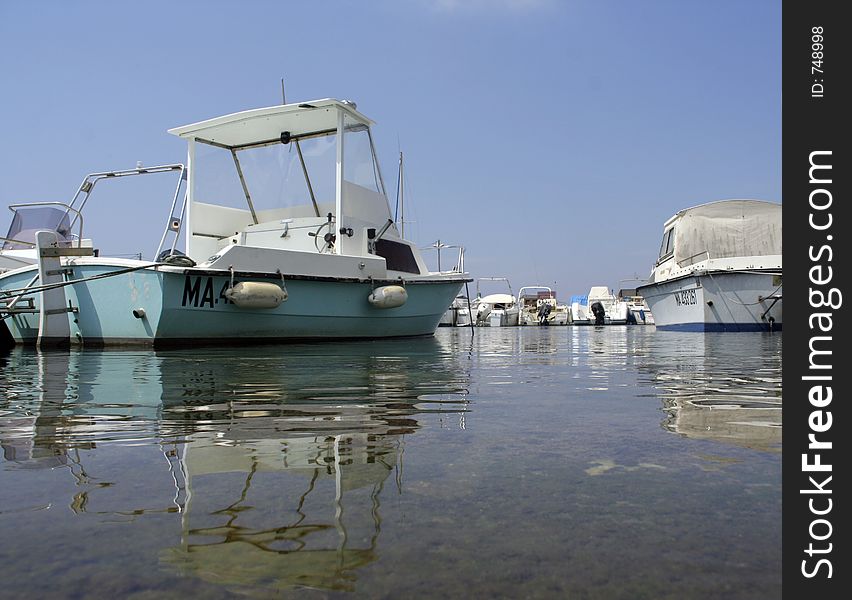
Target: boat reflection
pixel 276 457
pixel 719 387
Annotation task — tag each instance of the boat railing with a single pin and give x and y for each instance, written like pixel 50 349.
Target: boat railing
pixel 6 240
pixel 522 297
pixel 692 259
pixel 438 245
pixel 175 220
pixel 509 285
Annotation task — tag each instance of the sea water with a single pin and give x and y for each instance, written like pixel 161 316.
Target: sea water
pixel 535 462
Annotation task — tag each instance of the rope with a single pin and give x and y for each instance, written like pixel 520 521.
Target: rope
pixel 721 293
pixel 51 286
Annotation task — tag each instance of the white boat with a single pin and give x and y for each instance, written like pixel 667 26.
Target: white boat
pixel 458 313
pixel 538 306
pixel 640 313
pixel 287 234
pixel 578 309
pixel 496 310
pixel 719 269
pixel 604 308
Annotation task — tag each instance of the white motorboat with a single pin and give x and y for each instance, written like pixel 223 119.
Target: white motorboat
pixel 719 269
pixel 578 309
pixel 496 310
pixel 538 306
pixel 458 313
pixel 640 313
pixel 604 308
pixel 287 234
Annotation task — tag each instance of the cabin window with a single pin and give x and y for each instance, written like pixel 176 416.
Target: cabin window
pixel 667 245
pixel 274 175
pixel 359 163
pixel 397 256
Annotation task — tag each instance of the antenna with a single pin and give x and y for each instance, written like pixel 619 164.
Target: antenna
pixel 283 97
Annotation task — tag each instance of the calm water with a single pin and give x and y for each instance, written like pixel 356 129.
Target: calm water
pixel 569 462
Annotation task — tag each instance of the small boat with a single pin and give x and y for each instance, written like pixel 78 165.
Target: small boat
pixel 640 312
pixel 496 310
pixel 719 269
pixel 604 308
pixel 578 309
pixel 287 234
pixel 538 306
pixel 458 313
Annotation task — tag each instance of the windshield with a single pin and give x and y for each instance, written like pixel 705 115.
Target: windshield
pixel 299 175
pixel 30 219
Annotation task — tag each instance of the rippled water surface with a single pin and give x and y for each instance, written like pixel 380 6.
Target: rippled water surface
pixel 569 462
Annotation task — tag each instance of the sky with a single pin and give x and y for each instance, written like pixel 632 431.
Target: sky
pixel 551 139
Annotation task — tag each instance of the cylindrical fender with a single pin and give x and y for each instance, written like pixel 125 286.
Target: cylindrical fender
pixel 256 294
pixel 388 296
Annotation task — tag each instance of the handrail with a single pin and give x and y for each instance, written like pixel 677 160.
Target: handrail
pixel 511 293
pixel 14 241
pixel 534 287
pixel 682 263
pixel 439 245
pixel 91 179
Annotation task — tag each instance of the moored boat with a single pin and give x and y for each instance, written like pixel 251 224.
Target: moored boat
pixel 719 269
pixel 604 308
pixel 640 313
pixel 538 306
pixel 495 310
pixel 287 234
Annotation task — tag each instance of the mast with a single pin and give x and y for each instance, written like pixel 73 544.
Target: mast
pixel 401 191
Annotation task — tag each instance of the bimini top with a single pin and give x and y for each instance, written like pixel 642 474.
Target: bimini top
pixel 727 229
pixel 265 125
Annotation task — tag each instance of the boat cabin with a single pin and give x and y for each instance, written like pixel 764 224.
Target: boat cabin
pixel 297 177
pixel 726 234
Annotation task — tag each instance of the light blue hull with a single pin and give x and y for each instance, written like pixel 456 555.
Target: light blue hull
pixel 181 307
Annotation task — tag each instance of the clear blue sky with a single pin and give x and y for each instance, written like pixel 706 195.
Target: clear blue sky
pixel 550 138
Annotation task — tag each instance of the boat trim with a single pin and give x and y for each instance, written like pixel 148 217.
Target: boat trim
pixel 729 327
pixel 702 272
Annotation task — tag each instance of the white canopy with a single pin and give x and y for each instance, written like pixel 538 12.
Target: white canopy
pixel 498 299
pixel 266 124
pixel 727 229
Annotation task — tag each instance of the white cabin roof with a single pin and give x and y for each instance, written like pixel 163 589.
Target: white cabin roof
pixel 261 125
pixel 734 208
pixel 599 291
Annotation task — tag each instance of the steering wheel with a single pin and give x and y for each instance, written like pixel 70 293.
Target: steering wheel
pixel 328 238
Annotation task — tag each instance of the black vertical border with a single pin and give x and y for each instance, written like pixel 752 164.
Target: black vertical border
pixel 815 122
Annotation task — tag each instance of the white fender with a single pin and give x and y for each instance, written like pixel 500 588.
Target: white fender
pixel 388 296
pixel 256 294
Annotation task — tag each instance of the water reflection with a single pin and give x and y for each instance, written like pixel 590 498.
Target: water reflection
pixel 724 388
pixel 274 459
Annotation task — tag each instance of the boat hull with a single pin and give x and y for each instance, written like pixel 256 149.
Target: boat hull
pixel 183 306
pixel 719 301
